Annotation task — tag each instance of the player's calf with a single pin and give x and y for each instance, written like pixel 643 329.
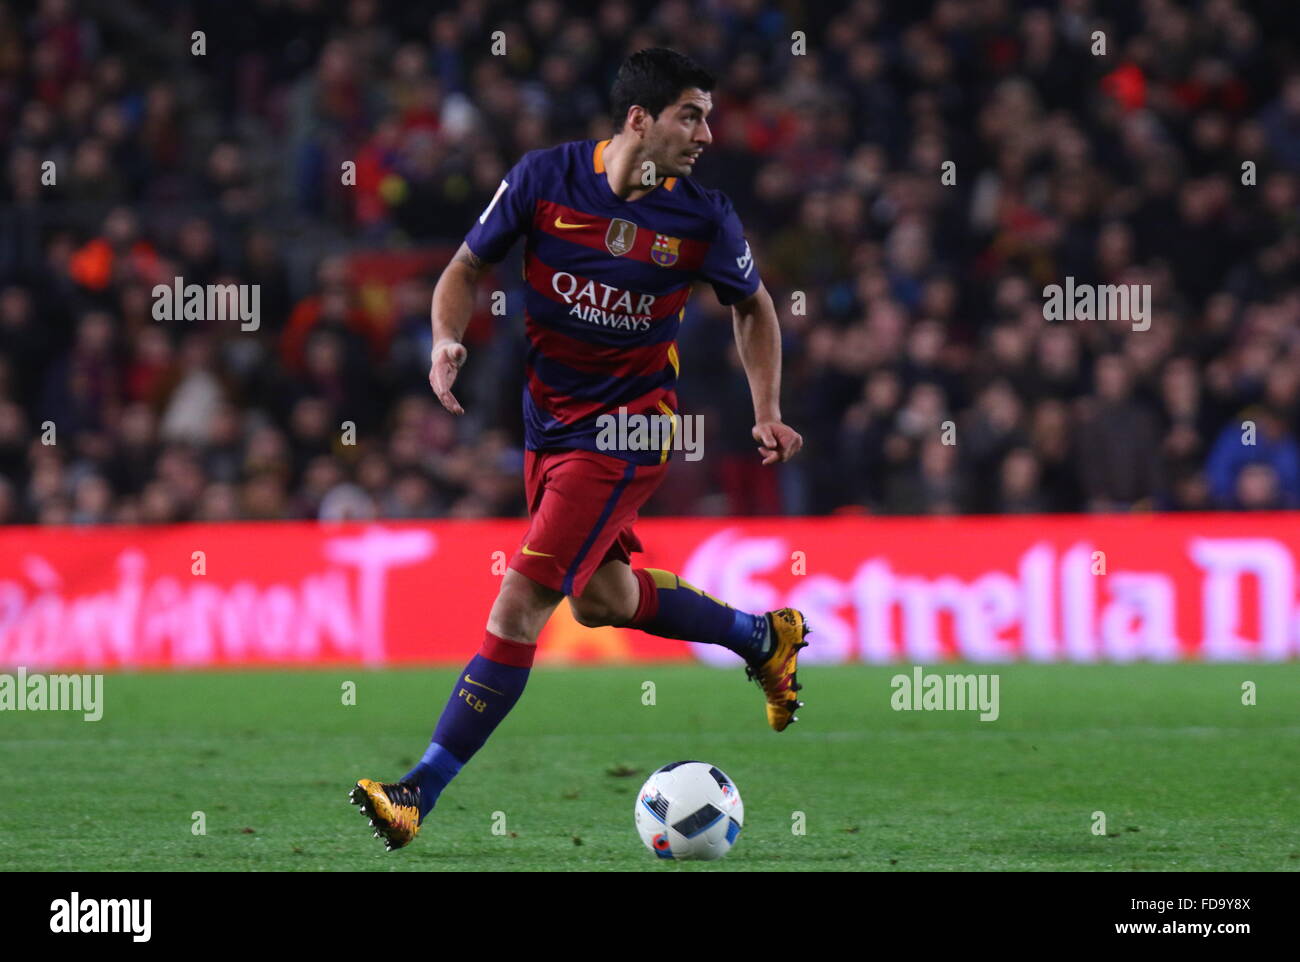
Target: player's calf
pixel 769 643
pixel 672 608
pixel 481 697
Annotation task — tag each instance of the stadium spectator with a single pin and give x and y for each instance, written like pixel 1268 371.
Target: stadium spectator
pixel 1120 441
pixel 1259 441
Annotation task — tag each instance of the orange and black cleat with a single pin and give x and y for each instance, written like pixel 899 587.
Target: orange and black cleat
pixel 393 809
pixel 777 674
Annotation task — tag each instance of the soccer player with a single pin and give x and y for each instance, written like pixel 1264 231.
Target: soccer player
pixel 617 233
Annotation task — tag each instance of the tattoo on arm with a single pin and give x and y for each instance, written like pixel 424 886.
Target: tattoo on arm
pixel 468 257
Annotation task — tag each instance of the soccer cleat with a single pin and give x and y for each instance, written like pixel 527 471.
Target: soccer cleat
pixel 393 809
pixel 776 675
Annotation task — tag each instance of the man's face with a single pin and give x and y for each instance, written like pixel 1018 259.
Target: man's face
pixel 681 132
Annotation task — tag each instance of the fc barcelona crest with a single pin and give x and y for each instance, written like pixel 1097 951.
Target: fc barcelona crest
pixel 665 249
pixel 620 237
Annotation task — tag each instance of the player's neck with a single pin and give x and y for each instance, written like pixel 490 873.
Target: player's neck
pixel 623 169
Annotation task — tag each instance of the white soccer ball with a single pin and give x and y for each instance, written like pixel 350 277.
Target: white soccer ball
pixel 689 810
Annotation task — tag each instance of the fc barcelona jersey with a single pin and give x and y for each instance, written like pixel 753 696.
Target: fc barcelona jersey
pixel 606 287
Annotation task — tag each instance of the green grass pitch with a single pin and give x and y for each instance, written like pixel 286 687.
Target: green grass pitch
pixel 1188 777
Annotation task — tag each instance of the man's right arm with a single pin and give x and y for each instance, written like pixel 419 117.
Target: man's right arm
pixel 453 305
pixel 506 217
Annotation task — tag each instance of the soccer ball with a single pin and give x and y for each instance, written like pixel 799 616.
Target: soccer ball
pixel 689 810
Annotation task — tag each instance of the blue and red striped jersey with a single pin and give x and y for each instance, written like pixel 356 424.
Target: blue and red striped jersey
pixel 606 287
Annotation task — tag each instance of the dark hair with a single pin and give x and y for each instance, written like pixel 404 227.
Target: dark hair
pixel 653 78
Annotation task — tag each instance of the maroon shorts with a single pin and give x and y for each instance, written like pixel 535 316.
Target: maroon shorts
pixel 581 506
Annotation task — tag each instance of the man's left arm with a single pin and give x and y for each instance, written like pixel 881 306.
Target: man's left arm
pixel 758 339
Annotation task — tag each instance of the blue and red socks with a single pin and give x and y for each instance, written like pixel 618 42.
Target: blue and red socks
pixel 495 677
pixel 483 695
pixel 672 608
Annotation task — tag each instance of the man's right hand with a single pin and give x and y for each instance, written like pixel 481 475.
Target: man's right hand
pixel 447 358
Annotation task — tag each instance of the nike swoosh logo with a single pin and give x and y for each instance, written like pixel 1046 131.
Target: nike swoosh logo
pixel 563 226
pixel 536 554
pixel 471 681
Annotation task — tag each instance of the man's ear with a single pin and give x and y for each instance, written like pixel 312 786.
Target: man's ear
pixel 644 120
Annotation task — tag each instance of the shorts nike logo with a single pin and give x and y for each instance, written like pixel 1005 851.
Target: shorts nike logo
pixel 471 681
pixel 536 554
pixel 563 226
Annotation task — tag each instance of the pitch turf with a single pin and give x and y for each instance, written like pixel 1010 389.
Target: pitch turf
pixel 1188 777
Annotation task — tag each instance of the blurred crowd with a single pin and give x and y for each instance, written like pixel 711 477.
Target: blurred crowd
pixel 910 182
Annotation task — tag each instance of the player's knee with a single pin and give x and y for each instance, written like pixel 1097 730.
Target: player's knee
pixel 521 608
pixel 521 629
pixel 593 612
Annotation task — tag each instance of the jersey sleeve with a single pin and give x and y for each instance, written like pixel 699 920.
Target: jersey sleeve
pixel 507 216
pixel 729 265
